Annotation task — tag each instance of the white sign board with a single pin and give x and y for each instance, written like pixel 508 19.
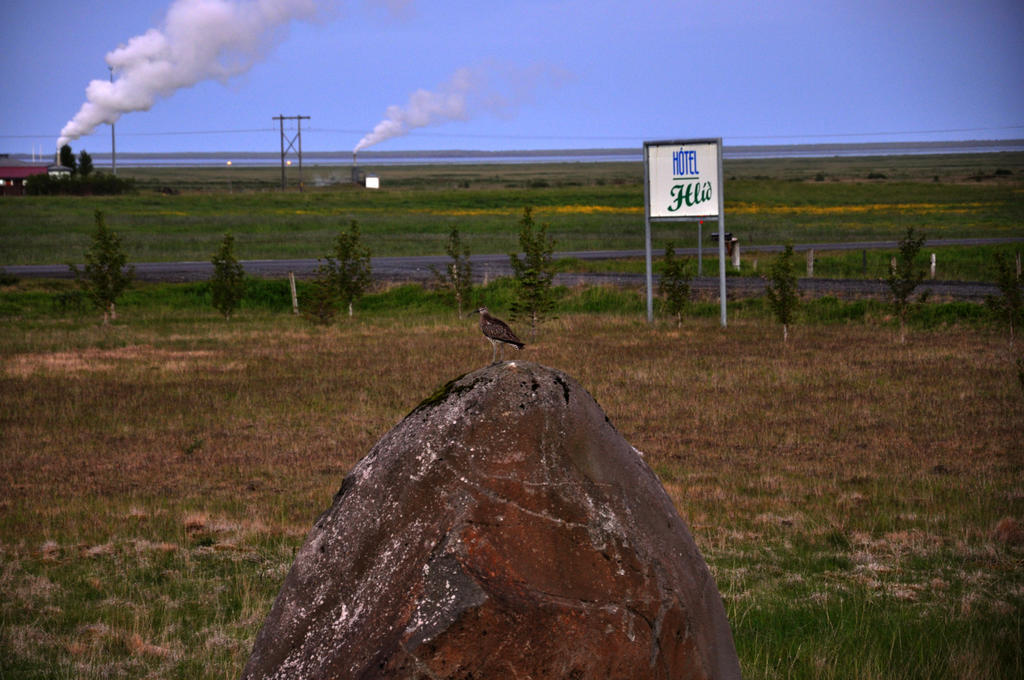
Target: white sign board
pixel 683 180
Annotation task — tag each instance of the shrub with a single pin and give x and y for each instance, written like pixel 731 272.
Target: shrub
pixel 227 285
pixel 346 273
pixel 458 274
pixel 904 278
pixel 105 275
pixel 781 291
pixel 674 285
pixel 351 276
pixel 96 184
pixel 322 302
pixel 1009 305
pixel 533 273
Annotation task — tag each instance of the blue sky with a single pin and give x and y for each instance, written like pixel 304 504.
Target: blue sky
pixel 532 74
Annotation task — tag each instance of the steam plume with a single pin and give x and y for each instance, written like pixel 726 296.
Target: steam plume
pixel 498 90
pixel 199 40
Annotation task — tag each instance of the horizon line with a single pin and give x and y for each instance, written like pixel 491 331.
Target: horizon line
pixel 616 150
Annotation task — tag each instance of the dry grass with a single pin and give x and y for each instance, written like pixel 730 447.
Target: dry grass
pixel 850 494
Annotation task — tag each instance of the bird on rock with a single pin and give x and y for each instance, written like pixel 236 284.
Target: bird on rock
pixel 498 333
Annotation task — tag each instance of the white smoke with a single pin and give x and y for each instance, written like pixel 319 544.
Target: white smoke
pixel 199 40
pixel 493 89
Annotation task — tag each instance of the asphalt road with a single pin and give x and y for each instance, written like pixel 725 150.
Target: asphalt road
pixel 420 268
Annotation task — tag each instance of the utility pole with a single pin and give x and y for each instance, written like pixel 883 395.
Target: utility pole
pixel 294 144
pixel 113 144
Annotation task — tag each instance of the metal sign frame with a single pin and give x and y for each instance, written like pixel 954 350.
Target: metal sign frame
pixel 713 208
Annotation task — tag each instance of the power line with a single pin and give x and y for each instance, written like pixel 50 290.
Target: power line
pixel 471 135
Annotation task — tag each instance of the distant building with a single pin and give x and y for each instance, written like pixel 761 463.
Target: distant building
pixel 13 174
pixel 58 171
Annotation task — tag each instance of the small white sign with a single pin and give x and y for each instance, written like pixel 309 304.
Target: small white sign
pixel 683 180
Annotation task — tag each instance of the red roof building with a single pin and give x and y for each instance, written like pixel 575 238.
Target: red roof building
pixel 13 174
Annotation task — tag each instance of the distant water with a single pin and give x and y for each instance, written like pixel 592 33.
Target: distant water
pixel 871 149
pixel 377 158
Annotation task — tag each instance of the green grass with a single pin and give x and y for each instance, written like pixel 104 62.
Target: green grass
pixel 42 300
pixel 844 489
pixel 160 473
pixel 587 205
pixel 953 263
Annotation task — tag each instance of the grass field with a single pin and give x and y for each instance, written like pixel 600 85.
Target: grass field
pixel 858 501
pixel 587 205
pixel 953 263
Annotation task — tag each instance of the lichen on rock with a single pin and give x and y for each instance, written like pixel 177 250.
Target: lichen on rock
pixel 503 528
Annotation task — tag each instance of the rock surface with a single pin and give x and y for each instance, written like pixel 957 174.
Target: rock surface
pixel 503 529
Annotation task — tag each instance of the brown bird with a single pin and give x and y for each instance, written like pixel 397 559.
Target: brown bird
pixel 498 332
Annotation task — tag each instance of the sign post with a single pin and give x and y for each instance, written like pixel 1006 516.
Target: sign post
pixel 683 182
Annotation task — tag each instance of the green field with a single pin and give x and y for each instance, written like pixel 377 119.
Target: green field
pixel 587 205
pixel 859 501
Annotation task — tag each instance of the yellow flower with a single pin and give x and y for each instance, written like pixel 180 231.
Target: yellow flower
pixel 591 209
pixel 905 208
pixel 548 209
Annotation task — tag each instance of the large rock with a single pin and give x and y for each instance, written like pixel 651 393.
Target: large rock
pixel 503 529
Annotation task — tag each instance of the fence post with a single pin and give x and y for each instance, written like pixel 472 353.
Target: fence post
pixel 295 297
pixel 810 262
pixel 736 255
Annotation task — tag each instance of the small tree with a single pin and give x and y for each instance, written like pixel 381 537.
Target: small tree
pixel 85 166
pixel 228 282
pixel 534 272
pixel 67 158
pixel 1009 306
pixel 105 275
pixel 323 300
pixel 458 274
pixel 904 278
pixel 674 285
pixel 349 270
pixel 781 291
